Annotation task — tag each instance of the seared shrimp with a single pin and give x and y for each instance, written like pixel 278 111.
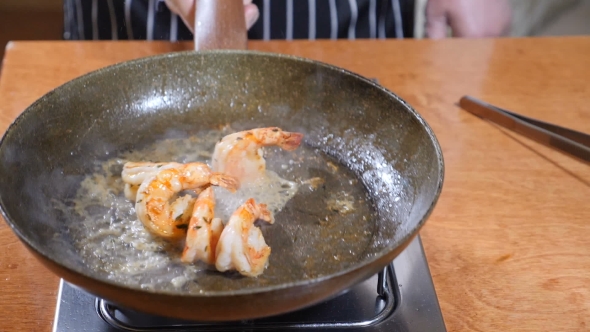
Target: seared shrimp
pixel 203 230
pixel 240 154
pixel 134 173
pixel 241 245
pixel 153 207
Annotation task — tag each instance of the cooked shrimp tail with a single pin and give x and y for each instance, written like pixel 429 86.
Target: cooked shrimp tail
pixel 291 141
pixel 225 181
pixel 265 214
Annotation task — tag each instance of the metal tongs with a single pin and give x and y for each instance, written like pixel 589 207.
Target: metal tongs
pixel 573 143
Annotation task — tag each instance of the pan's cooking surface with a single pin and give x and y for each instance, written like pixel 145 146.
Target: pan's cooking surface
pixel 326 226
pixel 372 136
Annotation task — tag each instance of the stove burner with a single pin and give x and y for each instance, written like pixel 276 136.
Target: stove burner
pixel 362 309
pixel 400 298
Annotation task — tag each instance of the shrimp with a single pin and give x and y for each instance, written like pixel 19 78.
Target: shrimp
pixel 153 207
pixel 240 154
pixel 203 230
pixel 241 245
pixel 134 173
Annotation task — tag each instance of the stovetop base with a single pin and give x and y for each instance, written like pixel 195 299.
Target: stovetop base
pixel 408 303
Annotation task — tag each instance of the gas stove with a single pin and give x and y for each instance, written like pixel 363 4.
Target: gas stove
pixel 400 298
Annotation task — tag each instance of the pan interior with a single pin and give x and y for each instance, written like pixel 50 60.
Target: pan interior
pixel 365 144
pixel 326 226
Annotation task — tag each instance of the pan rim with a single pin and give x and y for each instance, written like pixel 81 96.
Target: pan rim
pixel 253 290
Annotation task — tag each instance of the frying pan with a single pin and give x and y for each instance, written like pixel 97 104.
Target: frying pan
pixel 365 131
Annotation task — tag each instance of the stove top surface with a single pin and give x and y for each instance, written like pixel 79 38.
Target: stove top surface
pixel 401 298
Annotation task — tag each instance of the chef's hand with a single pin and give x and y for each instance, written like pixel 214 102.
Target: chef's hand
pixel 468 18
pixel 186 10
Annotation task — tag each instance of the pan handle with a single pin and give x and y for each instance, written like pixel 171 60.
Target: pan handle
pixel 220 24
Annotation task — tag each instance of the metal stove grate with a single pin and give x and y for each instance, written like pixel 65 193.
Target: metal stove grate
pixel 400 298
pixel 364 308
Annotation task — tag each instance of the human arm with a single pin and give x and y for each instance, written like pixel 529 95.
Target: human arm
pixel 468 18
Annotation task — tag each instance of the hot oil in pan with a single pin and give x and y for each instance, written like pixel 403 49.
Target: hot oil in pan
pixel 325 226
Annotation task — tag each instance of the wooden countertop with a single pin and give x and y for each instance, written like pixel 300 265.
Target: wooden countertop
pixel 508 243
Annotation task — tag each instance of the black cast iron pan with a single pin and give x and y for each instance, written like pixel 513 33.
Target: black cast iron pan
pixel 358 131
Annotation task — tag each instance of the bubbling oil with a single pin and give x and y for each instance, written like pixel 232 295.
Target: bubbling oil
pixel 270 189
pixel 322 220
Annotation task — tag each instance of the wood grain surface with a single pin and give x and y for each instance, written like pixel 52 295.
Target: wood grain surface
pixel 508 244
